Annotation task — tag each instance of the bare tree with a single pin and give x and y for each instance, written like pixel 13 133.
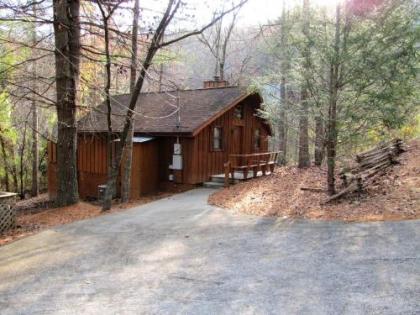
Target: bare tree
pixel 284 67
pixel 217 42
pixel 34 109
pixel 107 9
pixel 304 160
pixel 5 163
pixel 21 162
pixel 319 140
pixel 128 154
pixel 332 105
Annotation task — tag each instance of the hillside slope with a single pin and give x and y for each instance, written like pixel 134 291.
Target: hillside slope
pixel 394 196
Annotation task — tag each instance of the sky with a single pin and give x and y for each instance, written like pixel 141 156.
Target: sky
pixel 254 12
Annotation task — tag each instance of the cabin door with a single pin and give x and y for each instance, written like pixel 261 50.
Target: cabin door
pixel 236 140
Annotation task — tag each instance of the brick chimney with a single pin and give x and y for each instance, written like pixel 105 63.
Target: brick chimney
pixel 215 83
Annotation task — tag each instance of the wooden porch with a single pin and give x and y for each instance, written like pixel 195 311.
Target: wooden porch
pixel 244 166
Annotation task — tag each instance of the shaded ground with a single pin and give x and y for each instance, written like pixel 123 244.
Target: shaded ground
pixel 182 256
pixel 394 196
pixel 37 214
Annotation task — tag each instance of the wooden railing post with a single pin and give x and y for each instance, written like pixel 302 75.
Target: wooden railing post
pixel 245 170
pixel 227 173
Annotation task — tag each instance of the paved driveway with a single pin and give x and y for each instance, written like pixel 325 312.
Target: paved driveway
pixel 181 256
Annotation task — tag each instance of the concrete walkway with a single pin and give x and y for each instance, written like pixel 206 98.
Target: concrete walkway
pixel 181 256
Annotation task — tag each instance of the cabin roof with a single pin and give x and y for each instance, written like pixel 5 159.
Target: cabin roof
pixel 156 113
pixel 138 139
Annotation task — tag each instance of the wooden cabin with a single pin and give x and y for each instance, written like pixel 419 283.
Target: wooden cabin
pixel 181 136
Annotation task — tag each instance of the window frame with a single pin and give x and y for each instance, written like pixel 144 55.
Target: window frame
pixel 213 138
pixel 257 140
pixel 241 109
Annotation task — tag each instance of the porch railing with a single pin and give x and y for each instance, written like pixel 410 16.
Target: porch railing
pixel 254 162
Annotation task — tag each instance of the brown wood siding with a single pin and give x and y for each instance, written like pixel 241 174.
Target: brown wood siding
pixel 145 169
pixel 201 161
pixel 91 164
pixel 166 145
pixel 92 167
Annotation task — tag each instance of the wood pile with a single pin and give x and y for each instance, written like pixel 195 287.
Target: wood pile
pixel 370 165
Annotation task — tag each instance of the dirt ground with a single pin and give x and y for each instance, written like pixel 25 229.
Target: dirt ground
pixel 37 214
pixel 394 196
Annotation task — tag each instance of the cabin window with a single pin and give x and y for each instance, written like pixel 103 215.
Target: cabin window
pixel 217 138
pixel 239 112
pixel 257 139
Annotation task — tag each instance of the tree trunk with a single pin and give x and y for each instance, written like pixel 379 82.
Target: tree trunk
pixel 283 93
pixel 332 108
pixel 331 145
pixel 128 154
pixel 67 52
pixel 304 159
pixel 222 70
pixel 14 168
pixel 112 178
pixel 108 100
pixel 319 140
pixel 5 164
pixel 160 83
pixel 282 122
pixel 223 53
pixel 21 166
pixel 35 153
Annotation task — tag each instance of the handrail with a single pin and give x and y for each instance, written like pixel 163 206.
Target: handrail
pixel 254 154
pixel 249 159
pixel 253 161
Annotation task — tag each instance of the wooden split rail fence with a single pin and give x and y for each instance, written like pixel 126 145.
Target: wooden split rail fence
pixel 370 164
pixel 245 163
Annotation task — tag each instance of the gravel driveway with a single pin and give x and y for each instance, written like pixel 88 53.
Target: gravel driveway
pixel 182 256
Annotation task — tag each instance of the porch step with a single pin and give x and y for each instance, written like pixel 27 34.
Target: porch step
pixel 218 181
pixel 239 176
pixel 220 178
pixel 212 184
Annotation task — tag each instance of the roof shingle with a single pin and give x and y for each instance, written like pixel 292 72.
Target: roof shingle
pixel 157 112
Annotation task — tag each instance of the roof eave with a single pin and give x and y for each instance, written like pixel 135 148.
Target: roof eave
pixel 222 112
pixel 166 133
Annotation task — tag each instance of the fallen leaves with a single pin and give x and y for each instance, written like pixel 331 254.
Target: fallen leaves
pixel 394 196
